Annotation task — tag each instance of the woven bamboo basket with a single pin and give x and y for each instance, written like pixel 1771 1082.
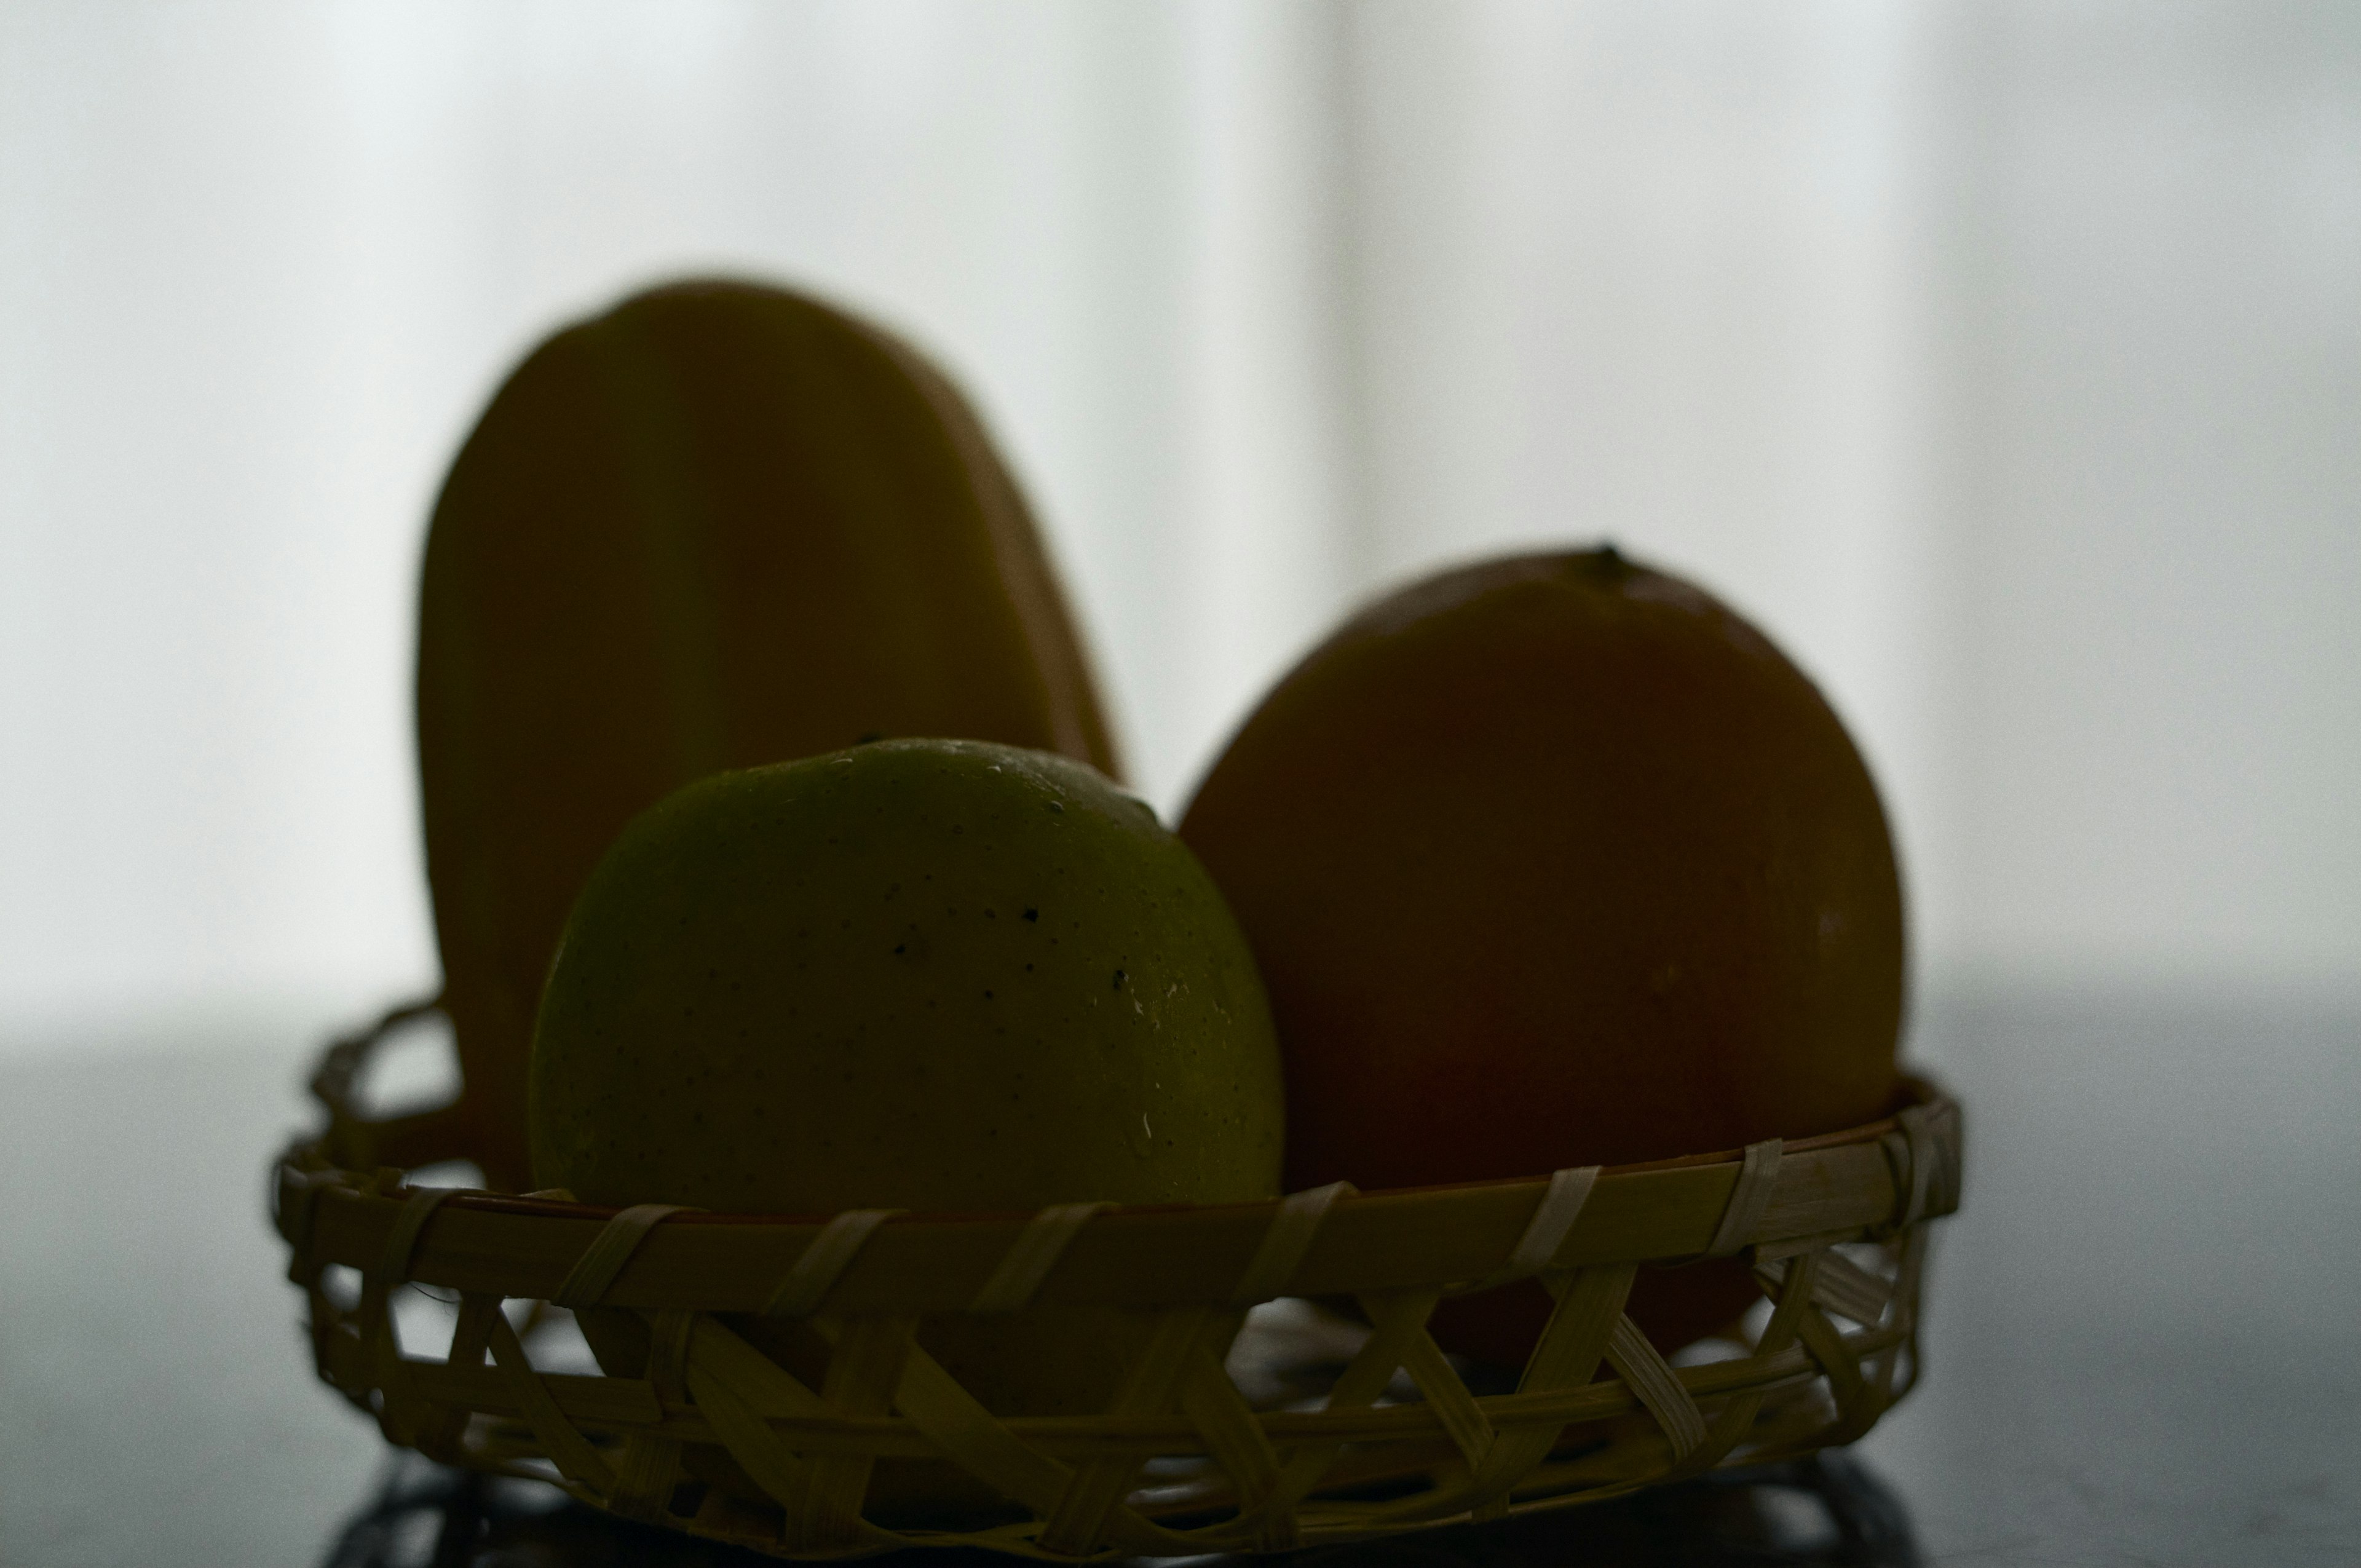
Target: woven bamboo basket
pixel 1181 1462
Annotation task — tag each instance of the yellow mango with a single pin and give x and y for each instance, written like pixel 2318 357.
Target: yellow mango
pixel 717 526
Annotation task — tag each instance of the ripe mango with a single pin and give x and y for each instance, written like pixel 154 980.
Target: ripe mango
pixel 1555 860
pixel 719 525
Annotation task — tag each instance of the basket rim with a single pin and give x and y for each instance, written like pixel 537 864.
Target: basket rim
pixel 1916 1094
pixel 1770 1199
pixel 1920 1091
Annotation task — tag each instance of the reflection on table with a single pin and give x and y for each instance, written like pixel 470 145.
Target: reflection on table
pixel 1828 1510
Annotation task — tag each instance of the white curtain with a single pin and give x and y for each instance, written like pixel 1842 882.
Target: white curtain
pixel 2002 360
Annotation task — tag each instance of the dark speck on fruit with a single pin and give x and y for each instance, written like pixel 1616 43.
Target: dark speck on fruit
pixel 1033 914
pixel 1119 978
pixel 1058 807
pixel 900 948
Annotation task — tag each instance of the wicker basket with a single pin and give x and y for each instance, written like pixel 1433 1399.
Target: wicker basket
pixel 1181 1463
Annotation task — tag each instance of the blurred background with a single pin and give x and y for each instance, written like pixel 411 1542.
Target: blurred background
pixel 2002 359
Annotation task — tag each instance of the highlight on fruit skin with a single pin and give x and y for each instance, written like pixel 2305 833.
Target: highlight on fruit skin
pixel 719 525
pixel 1554 860
pixel 915 974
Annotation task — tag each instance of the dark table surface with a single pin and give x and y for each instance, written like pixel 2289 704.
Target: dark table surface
pixel 2141 1330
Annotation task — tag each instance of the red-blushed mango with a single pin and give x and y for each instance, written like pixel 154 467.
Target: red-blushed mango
pixel 717 526
pixel 1554 860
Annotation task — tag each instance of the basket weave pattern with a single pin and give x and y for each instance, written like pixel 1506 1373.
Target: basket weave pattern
pixel 1835 1229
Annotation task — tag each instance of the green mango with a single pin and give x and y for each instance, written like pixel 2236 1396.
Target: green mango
pixel 916 974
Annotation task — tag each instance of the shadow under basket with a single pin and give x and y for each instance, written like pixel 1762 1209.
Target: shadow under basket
pixel 1228 1424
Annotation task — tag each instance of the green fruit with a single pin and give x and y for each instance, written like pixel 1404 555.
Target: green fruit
pixel 918 974
pixel 923 974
